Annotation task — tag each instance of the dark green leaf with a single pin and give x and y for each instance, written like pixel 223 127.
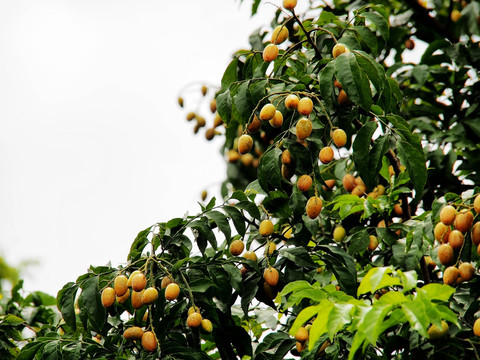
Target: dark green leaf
pixel 66 303
pixel 361 151
pixel 237 218
pixel 221 222
pixel 269 169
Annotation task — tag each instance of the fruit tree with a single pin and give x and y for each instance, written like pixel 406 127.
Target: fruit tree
pixel 349 221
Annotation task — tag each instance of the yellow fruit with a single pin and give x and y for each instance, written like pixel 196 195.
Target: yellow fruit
pixel 108 297
pixel 132 275
pixel 359 190
pixel 289 4
pixel 287 232
pixel 330 183
pixel 305 106
pixel 339 233
pixel 255 125
pixel 397 209
pixel 286 158
pixel 441 232
pixel 124 297
pixel 267 112
pixel 445 254
pixel 476 204
pixel 373 243
pixel 314 207
pixel 338 50
pixel 339 138
pixel 475 234
pixel 304 128
pixel 326 155
pixel 291 102
pixel 343 98
pixel 476 327
pixel 207 325
pixel 149 296
pixel 434 332
pixel 450 275
pixel 348 182
pixel 213 106
pixel 447 214
pixel 279 34
pixel 456 239
pixel 250 255
pixel 271 276
pixel 180 101
pixel 301 335
pixel 463 221
pixel 277 119
pixel 136 299
pixel 247 160
pixel 245 144
pixel 193 309
pixel 139 282
pixel 210 134
pixel 233 156
pixel 380 189
pixel 455 15
pixel 149 342
pixel 120 285
pixel 172 291
pixel 217 120
pixel 266 228
pixel 133 333
pixel 271 247
pixel 194 320
pixel 466 271
pixel 165 281
pixel 304 183
pixel 191 116
pixel 236 247
pixel 204 90
pixel 204 195
pixel 270 52
pixel 301 346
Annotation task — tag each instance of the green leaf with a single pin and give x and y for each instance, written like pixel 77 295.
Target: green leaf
pixel 269 169
pixel 320 324
pixel 380 23
pixel 224 106
pixel 66 304
pixel 221 221
pixel 200 285
pixel 230 75
pixel 29 351
pixel 343 267
pixel 414 160
pixel 358 242
pixel 237 218
pixel 439 292
pixel 92 304
pixel 295 286
pixel 305 315
pixel 11 320
pixel 235 276
pixel 365 35
pixel 250 207
pixel 138 245
pixel 416 314
pixel 377 278
pixel 373 70
pixel 325 79
pixel 372 322
pixel 409 279
pixel 361 150
pixel 299 256
pixel 340 315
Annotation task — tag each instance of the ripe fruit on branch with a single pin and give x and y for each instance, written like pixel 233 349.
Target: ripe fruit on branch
pixel 277 119
pixel 136 299
pixel 149 342
pixel 337 84
pixel 301 335
pixel 314 207
pixel 343 98
pixel 267 112
pixel 204 90
pixel 373 243
pixel 326 155
pixel 476 204
pixel 304 183
pixel 165 281
pixel 124 297
pixel 447 214
pixel 409 44
pixel 180 101
pixel 475 234
pixel 286 158
pixel 139 282
pixel 338 50
pixel 450 275
pixel 133 333
pixel 435 333
pixel 193 309
pixel 132 275
pixel 194 320
pixel 149 296
pixel 463 221
pixel 108 297
pixel 339 234
pixel 172 291
pixel 207 325
pixel 455 15
pixel 291 102
pixel 266 228
pixel 271 276
pixel 271 247
pixel 289 4
pixel 339 138
pixel 213 106
pixel 270 52
pixel 254 125
pixel 445 254
pixel 456 239
pixel 348 182
pixel 304 128
pixel 441 232
pixel 245 144
pixel 476 327
pixel 466 271
pixel 305 106
pixel 279 34
pixel 250 255
pixel 330 183
pixel 236 247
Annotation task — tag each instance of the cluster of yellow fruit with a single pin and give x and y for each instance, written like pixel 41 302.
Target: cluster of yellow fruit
pixel 195 320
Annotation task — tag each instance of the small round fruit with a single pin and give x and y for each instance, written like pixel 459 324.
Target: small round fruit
pixel 255 125
pixel 397 209
pixel 271 276
pixel 463 221
pixel 304 183
pixel 217 120
pixel 330 183
pixel 287 158
pixel 266 228
pixel 450 275
pixel 139 282
pixel 476 327
pixel 270 52
pixel 447 214
pixel 326 155
pixel 245 144
pixel 339 234
pixel 277 120
pixel 455 15
pixel 441 232
pixel 338 50
pixel 172 291
pixel 233 156
pixel 304 128
pixel 314 207
pixel 250 255
pixel 165 281
pixel 136 299
pixel 289 4
pixel 301 346
pixel 279 34
pixel 267 112
pixel 133 333
pixel 305 106
pixel 204 195
pixel 207 325
pixel 190 116
pixel 445 254
pixel 475 233
pixel 210 133
pixel 132 275
pixel 359 190
pixel 193 309
pixel 339 138
pixel 456 239
pixel 343 98
pixel 373 243
pixel 194 320
pixel 291 102
pixel 123 298
pixel 435 333
pixel 466 271
pixel 236 247
pixel 204 90
pixel 213 106
pixel 476 204
pixel 301 335
pixel 108 297
pixel 271 247
pixel 180 101
pixel 149 296
pixel 348 182
pixel 409 44
pixel 149 342
pixel 120 285
pixel 247 160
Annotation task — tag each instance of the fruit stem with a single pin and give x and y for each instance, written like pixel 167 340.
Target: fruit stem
pixel 317 52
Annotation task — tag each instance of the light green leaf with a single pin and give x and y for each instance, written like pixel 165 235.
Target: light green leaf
pixel 339 316
pixel 320 324
pixel 440 292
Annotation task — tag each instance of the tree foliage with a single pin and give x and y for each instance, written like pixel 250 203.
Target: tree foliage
pixel 377 288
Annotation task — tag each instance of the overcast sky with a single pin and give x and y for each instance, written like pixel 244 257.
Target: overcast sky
pixel 93 147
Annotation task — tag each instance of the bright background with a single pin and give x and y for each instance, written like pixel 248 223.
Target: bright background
pixel 93 146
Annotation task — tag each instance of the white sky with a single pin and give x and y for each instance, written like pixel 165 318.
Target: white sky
pixel 93 147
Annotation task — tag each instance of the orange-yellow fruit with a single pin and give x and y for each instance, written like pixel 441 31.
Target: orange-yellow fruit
pixel 149 342
pixel 287 172
pixel 305 106
pixel 250 255
pixel 277 119
pixel 108 297
pixel 455 15
pixel 286 158
pixel 476 327
pixel 326 155
pixel 373 243
pixel 463 221
pixel 339 138
pixel 301 335
pixel 207 325
pixel 430 263
pixel 338 50
pixel 445 254
pixel 475 234
pixel 136 298
pixel 271 276
pixel 149 296
pixel 204 90
pixel 217 120
pixel 247 160
pixel 456 239
pixel 339 234
pixel 193 309
pixel 165 281
pixel 191 116
pixel 450 275
pixel 233 156
pixel 447 214
pixel 194 320
pixel 124 297
pixel 210 133
pixel 236 247
pixel 476 204
pixel 359 190
pixel 266 228
pixel 397 209
pixel 213 106
pixel 441 232
pixel 255 125
pixel 304 128
pixel 435 333
pixel 343 98
pixel 120 285
pixel 180 101
pixel 279 34
pixel 337 84
pixel 409 44
pixel 289 4
pixel 304 183
pixel 132 275
pixel 243 270
pixel 291 102
pixel 139 282
pixel 466 271
pixel 330 183
pixel 348 182
pixel 267 112
pixel 245 144
pixel 172 291
pixel 270 292
pixel 301 346
pixel 314 207
pixel 271 247
pixel 133 333
pixel 270 52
